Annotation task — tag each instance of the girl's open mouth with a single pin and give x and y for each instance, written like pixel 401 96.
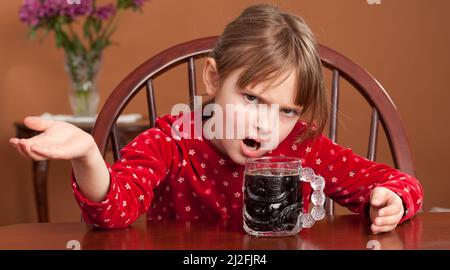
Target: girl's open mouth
pixel 252 144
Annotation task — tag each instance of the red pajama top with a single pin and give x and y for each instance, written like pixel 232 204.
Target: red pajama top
pixel 177 178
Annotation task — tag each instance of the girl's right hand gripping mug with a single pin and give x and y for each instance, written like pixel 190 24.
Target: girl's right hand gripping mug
pixel 273 196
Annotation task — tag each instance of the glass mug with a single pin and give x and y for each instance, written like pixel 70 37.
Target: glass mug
pixel 273 200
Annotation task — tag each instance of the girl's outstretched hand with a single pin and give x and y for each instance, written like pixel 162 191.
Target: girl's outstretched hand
pixel 57 140
pixel 386 210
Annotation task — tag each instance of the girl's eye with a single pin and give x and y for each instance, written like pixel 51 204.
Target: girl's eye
pixel 250 98
pixel 289 112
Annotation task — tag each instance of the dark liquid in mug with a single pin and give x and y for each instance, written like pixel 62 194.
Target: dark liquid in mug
pixel 272 199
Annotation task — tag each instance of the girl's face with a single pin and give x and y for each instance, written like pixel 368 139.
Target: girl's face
pixel 260 135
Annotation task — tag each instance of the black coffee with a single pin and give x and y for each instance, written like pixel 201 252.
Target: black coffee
pixel 272 199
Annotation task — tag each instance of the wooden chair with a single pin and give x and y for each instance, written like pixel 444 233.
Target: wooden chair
pixel 383 109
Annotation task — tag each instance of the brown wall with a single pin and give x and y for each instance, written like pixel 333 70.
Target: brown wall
pixel 403 43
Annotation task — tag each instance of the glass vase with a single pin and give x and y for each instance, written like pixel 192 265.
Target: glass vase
pixel 83 94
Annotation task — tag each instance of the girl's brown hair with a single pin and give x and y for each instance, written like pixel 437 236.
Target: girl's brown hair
pixel 267 42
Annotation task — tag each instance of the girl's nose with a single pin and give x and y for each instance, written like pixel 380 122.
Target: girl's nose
pixel 263 127
pixel 263 120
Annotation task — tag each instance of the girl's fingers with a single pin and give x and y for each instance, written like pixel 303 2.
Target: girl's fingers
pixel 14 141
pixel 386 221
pixel 378 197
pixel 36 123
pixel 44 150
pixel 37 149
pixel 390 210
pixel 23 150
pixel 19 149
pixel 24 144
pixel 381 229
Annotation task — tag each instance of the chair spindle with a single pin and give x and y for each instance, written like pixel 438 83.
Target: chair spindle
pixel 371 153
pixel 151 103
pixel 114 137
pixel 192 88
pixel 329 204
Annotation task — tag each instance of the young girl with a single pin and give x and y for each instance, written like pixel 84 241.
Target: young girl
pixel 265 56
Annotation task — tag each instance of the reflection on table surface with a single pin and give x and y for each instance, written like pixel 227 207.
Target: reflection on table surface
pixel 425 231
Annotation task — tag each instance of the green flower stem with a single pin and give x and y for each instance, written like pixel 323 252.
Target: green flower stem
pixel 82 102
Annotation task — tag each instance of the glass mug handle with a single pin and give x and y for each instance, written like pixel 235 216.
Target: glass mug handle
pixel 317 212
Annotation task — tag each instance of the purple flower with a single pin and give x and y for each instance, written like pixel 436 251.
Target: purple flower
pixel 104 12
pixel 28 13
pixel 74 10
pixel 33 12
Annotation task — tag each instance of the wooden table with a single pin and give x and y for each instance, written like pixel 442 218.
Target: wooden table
pixel 126 131
pixel 425 231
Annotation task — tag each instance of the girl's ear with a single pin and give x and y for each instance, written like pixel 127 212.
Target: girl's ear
pixel 210 76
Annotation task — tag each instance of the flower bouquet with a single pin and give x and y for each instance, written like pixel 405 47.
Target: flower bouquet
pixel 83 30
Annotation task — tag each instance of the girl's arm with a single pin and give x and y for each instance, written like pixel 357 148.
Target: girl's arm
pixel 143 166
pixel 92 175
